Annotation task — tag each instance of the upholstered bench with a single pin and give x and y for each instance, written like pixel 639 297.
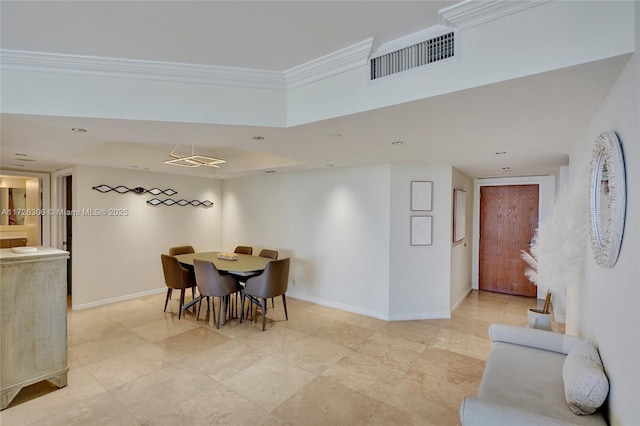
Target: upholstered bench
pixel 538 377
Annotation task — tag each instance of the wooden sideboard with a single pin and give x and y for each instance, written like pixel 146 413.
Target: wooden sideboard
pixel 33 320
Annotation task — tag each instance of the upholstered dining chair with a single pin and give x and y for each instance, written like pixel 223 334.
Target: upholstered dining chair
pixel 244 250
pixel 177 277
pixel 271 254
pixel 174 251
pixel 213 284
pixel 272 282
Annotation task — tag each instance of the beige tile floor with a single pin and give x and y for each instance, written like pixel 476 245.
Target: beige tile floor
pixel 132 364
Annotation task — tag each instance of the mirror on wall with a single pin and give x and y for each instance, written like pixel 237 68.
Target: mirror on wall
pixel 20 195
pixel 13 202
pixel 607 199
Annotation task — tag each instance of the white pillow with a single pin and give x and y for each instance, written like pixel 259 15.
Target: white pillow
pixel 585 384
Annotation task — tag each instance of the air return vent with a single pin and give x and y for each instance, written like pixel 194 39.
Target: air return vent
pixel 433 51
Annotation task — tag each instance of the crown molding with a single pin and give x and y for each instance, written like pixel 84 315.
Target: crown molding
pixel 466 14
pixel 470 13
pixel 334 63
pixel 147 70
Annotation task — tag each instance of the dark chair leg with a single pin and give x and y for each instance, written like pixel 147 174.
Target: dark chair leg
pixel 169 290
pixel 181 303
pixel 220 310
pixel 241 307
pixel 284 303
pixel 264 311
pixel 199 308
pixel 272 304
pixel 193 297
pixel 213 309
pixel 208 308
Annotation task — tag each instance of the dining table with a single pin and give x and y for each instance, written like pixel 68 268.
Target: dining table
pixel 243 267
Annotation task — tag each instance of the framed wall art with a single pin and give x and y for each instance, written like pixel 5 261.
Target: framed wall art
pixel 421 195
pixel 421 230
pixel 459 215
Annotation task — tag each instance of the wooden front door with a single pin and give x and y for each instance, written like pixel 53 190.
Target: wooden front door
pixel 508 221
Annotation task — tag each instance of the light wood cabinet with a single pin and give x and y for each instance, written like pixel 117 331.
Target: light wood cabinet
pixel 12 242
pixel 33 320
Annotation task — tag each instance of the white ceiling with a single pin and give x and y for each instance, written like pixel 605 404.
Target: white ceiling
pixel 535 119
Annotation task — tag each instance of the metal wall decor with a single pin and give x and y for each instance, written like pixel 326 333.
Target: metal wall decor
pixel 121 189
pixel 183 202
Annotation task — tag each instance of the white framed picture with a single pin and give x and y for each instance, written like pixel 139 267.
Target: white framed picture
pixel 421 230
pixel 421 194
pixel 459 215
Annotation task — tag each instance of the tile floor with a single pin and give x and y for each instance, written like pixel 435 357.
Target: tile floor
pixel 132 364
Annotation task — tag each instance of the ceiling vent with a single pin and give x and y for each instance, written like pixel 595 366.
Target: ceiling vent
pixel 436 50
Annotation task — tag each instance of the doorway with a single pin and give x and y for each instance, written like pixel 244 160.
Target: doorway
pixel 68 227
pixel 508 221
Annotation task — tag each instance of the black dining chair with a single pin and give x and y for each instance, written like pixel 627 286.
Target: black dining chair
pixel 211 283
pixel 272 282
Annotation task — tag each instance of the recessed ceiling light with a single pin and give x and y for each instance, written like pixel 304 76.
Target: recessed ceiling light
pixel 397 143
pixel 19 154
pixel 79 130
pixel 25 159
pixel 258 138
pixel 270 171
pixel 501 152
pixel 335 135
pixel 506 169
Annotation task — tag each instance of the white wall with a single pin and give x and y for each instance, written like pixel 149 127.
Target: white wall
pixel 118 257
pixel 546 194
pixel 334 225
pixel 50 93
pixel 462 251
pixel 606 307
pixel 549 36
pixel 502 49
pixel 419 275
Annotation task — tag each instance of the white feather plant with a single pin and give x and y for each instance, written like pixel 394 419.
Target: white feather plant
pixel 556 256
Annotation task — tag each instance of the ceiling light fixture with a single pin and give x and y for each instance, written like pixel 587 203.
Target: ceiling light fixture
pixel 193 160
pixel 258 138
pixel 501 152
pixel 397 143
pixel 79 130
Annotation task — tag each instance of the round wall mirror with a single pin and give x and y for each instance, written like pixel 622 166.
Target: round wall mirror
pixel 607 199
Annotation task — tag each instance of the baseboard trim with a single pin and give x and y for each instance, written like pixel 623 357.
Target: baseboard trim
pixel 366 312
pixel 421 316
pixel 460 299
pixel 81 306
pixel 340 306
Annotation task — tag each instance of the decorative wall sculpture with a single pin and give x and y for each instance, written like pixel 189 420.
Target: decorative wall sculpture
pixel 121 189
pixel 183 202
